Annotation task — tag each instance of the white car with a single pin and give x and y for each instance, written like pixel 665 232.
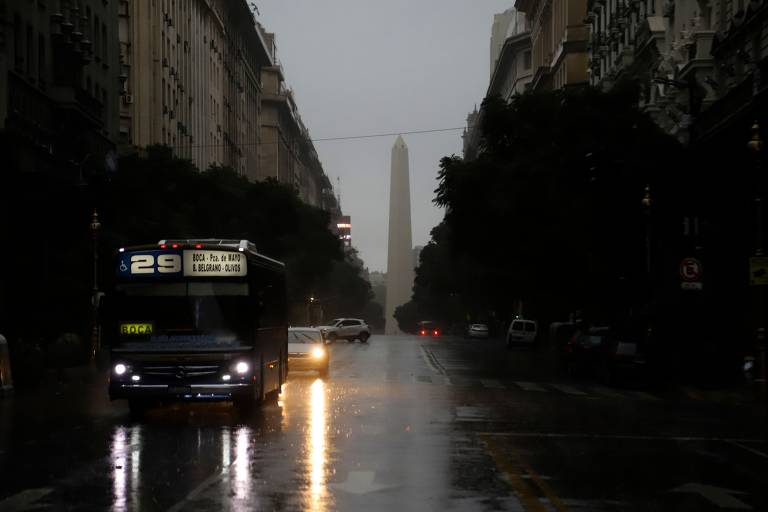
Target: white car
pixel 307 351
pixel 349 329
pixel 521 331
pixel 478 331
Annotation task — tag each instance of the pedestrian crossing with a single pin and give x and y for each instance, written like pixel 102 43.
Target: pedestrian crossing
pixel 575 390
pixel 444 367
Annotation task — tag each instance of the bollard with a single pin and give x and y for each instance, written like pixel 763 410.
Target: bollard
pixel 6 382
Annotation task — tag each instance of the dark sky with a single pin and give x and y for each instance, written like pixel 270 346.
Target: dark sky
pixel 362 67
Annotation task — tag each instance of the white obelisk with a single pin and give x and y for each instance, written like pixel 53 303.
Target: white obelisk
pixel 399 260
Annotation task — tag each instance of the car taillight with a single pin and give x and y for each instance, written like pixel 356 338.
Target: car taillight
pixel 423 333
pixel 436 333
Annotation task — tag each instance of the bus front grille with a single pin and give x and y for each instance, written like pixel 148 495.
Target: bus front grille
pixel 181 371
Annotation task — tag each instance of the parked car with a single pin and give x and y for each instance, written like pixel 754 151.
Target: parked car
pixel 349 329
pixel 606 355
pixel 477 331
pixel 428 328
pixel 521 331
pixel 307 350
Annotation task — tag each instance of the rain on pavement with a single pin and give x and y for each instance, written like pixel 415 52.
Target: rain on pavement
pixel 401 423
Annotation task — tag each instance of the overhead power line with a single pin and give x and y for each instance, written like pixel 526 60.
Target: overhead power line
pixel 325 139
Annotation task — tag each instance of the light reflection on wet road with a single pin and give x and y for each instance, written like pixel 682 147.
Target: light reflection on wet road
pixel 400 424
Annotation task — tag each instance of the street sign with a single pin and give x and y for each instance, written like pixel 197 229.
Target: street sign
pixel 690 270
pixel 758 271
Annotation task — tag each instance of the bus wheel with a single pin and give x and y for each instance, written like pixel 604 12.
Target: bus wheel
pixel 272 396
pixel 137 408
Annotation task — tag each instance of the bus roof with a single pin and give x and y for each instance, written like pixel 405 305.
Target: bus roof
pixel 245 246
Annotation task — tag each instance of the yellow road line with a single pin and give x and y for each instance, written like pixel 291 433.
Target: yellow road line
pixel 513 468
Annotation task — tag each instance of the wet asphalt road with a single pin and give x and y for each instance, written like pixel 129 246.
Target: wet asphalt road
pixel 400 424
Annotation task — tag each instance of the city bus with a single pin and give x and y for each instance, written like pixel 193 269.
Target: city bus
pixel 196 320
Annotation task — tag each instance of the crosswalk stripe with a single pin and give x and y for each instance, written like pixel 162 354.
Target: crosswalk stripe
pixel 600 390
pixel 530 386
pixel 492 383
pixel 567 389
pixel 643 395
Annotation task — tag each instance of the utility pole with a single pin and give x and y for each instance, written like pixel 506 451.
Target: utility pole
pixel 756 146
pixel 95 228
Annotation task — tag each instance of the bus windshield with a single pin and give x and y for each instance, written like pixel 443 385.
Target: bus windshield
pixel 186 314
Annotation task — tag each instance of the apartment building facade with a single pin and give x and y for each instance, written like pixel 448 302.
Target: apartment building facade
pixel 190 72
pixel 58 70
pixel 511 69
pixel 287 151
pixel 559 38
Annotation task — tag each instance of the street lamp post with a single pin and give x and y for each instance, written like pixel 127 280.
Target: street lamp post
pixel 95 228
pixel 310 303
pixel 647 203
pixel 756 146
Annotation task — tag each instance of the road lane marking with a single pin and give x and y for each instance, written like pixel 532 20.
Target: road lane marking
pixel 519 473
pixel 202 486
pixel 512 474
pixel 606 392
pixel 492 383
pixel 643 395
pixel 530 386
pixel 718 496
pixel 24 500
pixel 360 482
pixel 471 413
pixel 625 437
pixel 567 389
pixel 748 448
pixel 431 360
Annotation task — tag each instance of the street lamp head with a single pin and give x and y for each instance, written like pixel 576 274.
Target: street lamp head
pixel 755 144
pixel 647 201
pixel 95 224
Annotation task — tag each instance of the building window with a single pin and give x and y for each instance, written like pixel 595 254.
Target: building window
pixel 30 48
pixel 18 43
pixel 104 48
pixel 96 38
pixel 41 59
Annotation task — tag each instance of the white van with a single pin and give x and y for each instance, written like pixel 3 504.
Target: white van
pixel 521 331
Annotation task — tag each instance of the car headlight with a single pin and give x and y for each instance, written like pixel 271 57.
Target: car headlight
pixel 120 369
pixel 242 367
pixel 318 353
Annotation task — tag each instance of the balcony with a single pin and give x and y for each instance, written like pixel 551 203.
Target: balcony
pixel 30 112
pixel 78 101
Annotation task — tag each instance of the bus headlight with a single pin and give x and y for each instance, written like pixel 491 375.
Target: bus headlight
pixel 120 369
pixel 318 353
pixel 242 367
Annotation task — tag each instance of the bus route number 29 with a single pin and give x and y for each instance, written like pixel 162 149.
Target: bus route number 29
pixel 148 264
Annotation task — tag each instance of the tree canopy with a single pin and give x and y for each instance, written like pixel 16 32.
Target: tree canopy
pixel 154 197
pixel 548 217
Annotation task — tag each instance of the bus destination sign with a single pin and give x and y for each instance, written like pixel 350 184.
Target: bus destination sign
pixel 200 263
pixel 187 263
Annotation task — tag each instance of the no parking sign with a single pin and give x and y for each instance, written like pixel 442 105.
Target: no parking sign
pixel 690 272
